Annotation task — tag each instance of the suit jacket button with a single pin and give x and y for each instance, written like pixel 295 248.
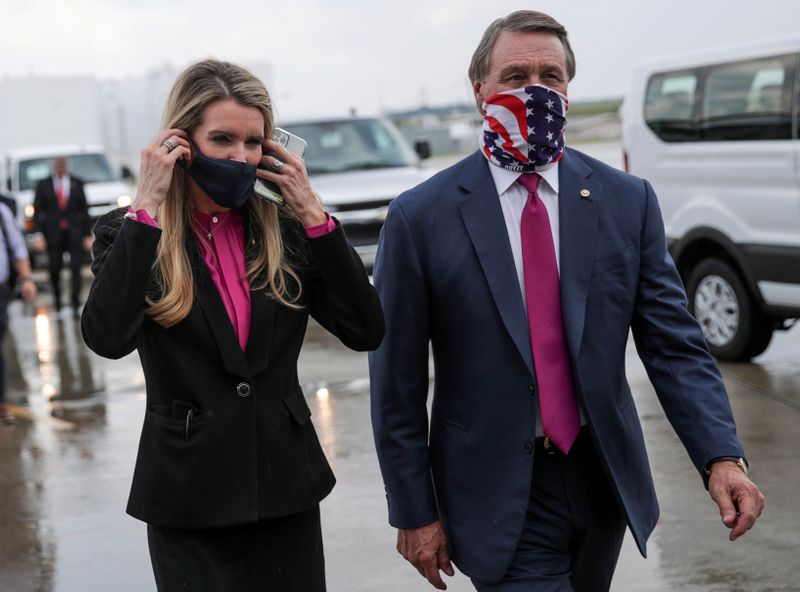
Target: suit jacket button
pixel 243 389
pixel 532 389
pixel 528 447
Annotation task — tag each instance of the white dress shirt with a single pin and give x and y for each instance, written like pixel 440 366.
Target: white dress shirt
pixel 61 183
pixel 512 201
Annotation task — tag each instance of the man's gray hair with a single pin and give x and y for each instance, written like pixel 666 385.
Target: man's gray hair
pixel 521 21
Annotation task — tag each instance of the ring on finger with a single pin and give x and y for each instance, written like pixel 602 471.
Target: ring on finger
pixel 278 164
pixel 169 144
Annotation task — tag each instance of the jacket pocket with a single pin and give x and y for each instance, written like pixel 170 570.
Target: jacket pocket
pixel 449 423
pixel 297 406
pixel 611 261
pixel 181 418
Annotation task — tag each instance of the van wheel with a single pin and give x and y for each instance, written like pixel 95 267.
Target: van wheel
pixel 734 328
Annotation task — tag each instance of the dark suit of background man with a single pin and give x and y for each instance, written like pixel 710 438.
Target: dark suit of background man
pixel 524 266
pixel 62 217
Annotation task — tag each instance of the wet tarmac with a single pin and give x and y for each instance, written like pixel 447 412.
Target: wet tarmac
pixel 65 470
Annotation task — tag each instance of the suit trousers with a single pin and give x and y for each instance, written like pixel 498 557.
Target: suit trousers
pixel 277 554
pixel 574 526
pixel 62 243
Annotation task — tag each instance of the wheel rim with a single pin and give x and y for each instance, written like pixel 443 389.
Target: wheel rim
pixel 717 310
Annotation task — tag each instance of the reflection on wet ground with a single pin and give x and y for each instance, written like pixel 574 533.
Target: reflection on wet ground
pixel 65 469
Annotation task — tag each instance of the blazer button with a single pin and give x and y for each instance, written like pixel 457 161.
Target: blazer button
pixel 243 389
pixel 528 448
pixel 532 389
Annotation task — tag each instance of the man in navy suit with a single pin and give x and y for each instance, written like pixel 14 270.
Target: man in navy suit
pixel 524 267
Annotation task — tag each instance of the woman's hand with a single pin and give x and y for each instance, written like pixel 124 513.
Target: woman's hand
pixel 155 173
pixel 288 171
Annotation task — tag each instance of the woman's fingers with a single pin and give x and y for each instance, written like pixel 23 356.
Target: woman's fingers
pixel 157 163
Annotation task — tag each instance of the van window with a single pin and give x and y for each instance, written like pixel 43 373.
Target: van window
pixel 749 100
pixel 669 105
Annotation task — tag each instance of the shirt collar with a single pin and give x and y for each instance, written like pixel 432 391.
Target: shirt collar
pixel 504 179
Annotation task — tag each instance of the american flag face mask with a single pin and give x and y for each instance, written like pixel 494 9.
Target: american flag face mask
pixel 524 128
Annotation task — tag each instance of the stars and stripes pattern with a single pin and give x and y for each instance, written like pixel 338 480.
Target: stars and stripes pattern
pixel 524 128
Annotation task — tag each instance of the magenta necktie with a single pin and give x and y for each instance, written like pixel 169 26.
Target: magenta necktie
pixel 557 401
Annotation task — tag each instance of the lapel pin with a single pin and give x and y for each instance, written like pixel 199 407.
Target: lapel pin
pixel 585 193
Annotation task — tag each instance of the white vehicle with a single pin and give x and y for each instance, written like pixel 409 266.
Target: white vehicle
pixel 358 165
pixel 21 170
pixel 716 133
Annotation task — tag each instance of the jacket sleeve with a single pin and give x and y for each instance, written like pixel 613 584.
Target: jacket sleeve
pixel 123 254
pixel 39 206
pixel 399 377
pixel 673 350
pixel 84 210
pixel 341 297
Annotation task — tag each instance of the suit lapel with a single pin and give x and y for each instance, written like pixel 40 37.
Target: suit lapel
pixel 483 218
pixel 578 224
pixel 233 357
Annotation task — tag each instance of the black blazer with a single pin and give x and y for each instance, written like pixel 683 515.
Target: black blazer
pixel 226 436
pixel 47 215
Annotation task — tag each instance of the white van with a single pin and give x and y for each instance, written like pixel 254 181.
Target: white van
pixel 21 170
pixel 716 133
pixel 358 165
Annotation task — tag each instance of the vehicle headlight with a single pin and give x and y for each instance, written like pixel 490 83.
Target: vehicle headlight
pixel 123 201
pixel 29 211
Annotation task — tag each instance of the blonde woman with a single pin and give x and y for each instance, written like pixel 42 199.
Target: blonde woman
pixel 214 287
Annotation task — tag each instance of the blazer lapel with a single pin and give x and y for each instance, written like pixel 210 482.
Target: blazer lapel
pixel 262 311
pixel 483 218
pixel 579 203
pixel 233 357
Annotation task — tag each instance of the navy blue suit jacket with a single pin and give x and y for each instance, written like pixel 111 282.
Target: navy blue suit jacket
pixel 446 277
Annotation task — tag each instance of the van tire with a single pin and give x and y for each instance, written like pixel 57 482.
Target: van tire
pixel 734 327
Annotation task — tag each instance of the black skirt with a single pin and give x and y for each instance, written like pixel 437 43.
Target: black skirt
pixel 281 554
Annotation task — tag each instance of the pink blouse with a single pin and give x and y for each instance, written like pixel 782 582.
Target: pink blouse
pixel 221 240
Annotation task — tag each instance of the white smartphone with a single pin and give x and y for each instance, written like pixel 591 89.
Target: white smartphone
pixel 268 190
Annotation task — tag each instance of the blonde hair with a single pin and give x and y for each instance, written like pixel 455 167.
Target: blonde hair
pixel 196 88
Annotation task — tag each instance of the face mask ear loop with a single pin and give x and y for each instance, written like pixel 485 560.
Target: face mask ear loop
pixel 183 162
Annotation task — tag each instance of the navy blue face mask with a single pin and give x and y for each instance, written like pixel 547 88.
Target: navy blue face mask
pixel 228 182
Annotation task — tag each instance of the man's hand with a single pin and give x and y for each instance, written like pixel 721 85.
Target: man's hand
pixel 426 549
pixel 39 243
pixel 29 290
pixel 739 500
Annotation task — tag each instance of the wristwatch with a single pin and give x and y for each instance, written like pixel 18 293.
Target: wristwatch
pixel 742 464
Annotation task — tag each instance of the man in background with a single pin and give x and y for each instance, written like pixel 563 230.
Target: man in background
pixel 61 217
pixel 10 202
pixel 12 253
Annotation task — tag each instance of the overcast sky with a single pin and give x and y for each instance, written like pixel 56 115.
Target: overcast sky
pixel 328 56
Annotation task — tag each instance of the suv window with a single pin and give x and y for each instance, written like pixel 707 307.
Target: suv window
pixel 352 145
pixel 749 100
pixel 90 168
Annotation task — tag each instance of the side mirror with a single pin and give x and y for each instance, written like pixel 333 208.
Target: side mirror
pixel 423 149
pixel 126 173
